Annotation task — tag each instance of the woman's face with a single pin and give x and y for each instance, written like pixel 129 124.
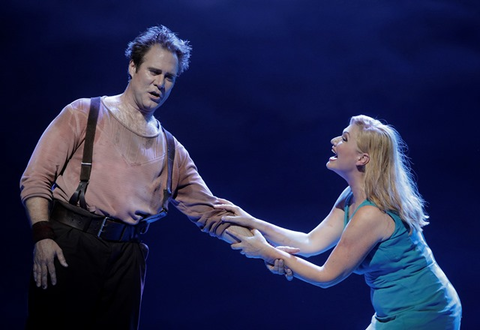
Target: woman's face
pixel 346 156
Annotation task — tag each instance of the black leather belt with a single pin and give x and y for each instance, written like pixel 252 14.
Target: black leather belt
pixel 106 228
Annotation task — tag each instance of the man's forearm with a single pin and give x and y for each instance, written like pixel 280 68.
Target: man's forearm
pixel 236 230
pixel 37 209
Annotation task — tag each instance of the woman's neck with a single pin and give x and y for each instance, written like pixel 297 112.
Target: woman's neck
pixel 358 191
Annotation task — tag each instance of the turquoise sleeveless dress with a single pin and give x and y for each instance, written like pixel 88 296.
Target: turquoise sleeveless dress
pixel 408 289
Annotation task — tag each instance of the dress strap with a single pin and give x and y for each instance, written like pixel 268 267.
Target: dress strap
pixel 365 202
pixel 347 205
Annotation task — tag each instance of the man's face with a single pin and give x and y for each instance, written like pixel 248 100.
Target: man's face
pixel 153 80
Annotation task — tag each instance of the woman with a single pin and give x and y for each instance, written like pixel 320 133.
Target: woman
pixel 375 227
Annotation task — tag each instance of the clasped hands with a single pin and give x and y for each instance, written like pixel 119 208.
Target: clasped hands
pixel 256 246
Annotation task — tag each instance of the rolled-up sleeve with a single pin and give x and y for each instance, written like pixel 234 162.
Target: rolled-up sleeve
pixel 193 198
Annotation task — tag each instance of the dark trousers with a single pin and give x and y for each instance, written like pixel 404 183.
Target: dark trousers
pixel 100 289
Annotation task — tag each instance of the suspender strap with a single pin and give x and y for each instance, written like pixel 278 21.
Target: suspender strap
pixel 78 196
pixel 171 156
pixel 86 166
pixel 167 192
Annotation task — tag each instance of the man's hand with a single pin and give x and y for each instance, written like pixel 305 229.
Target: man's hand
pixel 44 255
pixel 279 268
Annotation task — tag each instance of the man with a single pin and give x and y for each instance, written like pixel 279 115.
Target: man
pixel 89 262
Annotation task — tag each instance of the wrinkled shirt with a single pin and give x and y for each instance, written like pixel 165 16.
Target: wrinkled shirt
pixel 128 175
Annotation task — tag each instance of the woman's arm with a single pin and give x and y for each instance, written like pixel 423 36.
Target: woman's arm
pixel 364 231
pixel 320 239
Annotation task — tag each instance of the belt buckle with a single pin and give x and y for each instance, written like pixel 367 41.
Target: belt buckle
pixel 100 230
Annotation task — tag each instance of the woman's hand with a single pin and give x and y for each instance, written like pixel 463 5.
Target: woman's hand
pixel 239 217
pixel 255 246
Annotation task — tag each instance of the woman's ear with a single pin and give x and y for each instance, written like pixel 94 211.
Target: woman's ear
pixel 363 159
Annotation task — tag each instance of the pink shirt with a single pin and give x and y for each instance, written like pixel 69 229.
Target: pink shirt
pixel 128 175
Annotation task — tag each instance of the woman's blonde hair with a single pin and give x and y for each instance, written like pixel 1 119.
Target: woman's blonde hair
pixel 388 177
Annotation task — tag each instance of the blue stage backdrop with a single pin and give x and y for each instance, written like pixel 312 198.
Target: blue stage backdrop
pixel 270 83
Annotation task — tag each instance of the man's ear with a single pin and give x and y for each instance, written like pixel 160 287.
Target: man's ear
pixel 132 68
pixel 363 159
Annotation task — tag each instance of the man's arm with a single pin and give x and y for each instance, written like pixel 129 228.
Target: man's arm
pixel 46 249
pixel 37 209
pixel 237 230
pixel 194 199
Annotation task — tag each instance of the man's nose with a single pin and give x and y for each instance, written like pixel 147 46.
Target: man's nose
pixel 160 82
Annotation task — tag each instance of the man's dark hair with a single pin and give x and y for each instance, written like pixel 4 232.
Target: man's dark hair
pixel 164 37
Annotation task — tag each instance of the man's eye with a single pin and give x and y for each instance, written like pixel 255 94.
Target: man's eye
pixel 344 138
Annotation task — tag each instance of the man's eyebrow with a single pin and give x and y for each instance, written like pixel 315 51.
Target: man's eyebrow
pixel 156 70
pixel 346 132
